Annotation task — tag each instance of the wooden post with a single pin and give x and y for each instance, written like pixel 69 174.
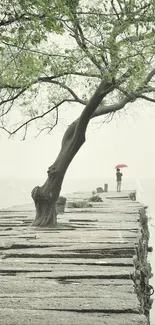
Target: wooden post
pixel 133 196
pixel 105 187
pixel 60 206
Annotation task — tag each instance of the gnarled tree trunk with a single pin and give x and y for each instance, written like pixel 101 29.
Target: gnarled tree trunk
pixel 46 196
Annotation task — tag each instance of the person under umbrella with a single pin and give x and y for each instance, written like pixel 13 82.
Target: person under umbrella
pixel 118 179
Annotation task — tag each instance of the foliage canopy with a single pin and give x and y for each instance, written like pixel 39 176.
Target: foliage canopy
pixel 61 50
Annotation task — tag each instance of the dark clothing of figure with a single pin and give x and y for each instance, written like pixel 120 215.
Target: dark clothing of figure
pixel 119 180
pixel 119 176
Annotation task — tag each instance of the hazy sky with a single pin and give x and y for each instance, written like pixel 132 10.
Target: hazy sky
pixel 127 139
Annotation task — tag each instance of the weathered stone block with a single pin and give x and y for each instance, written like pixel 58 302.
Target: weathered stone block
pixel 99 190
pixel 61 203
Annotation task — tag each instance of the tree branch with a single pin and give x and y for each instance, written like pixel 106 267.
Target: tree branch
pixel 50 128
pixel 18 18
pixel 147 98
pixel 12 99
pixel 74 73
pixel 106 109
pixel 149 76
pixel 102 90
pixel 48 79
pixel 26 127
pixel 6 86
pixel 113 6
pixel 136 38
pixel 74 129
pixel 4 22
pixel 37 117
pixel 33 51
pixel 80 39
pixel 129 97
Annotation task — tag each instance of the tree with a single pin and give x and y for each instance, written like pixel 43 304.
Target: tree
pixel 101 59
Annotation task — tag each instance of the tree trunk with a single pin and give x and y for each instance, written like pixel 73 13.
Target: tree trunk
pixel 46 196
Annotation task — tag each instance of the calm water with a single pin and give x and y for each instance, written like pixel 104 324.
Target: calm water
pixel 18 192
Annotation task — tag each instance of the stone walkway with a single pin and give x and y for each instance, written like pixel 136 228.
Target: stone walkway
pixel 79 274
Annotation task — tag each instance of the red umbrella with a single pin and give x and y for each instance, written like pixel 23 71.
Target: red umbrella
pixel 121 166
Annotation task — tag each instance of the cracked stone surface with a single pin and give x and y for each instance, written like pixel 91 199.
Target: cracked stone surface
pixel 81 274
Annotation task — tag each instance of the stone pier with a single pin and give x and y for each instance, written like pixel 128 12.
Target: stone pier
pixel 90 270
